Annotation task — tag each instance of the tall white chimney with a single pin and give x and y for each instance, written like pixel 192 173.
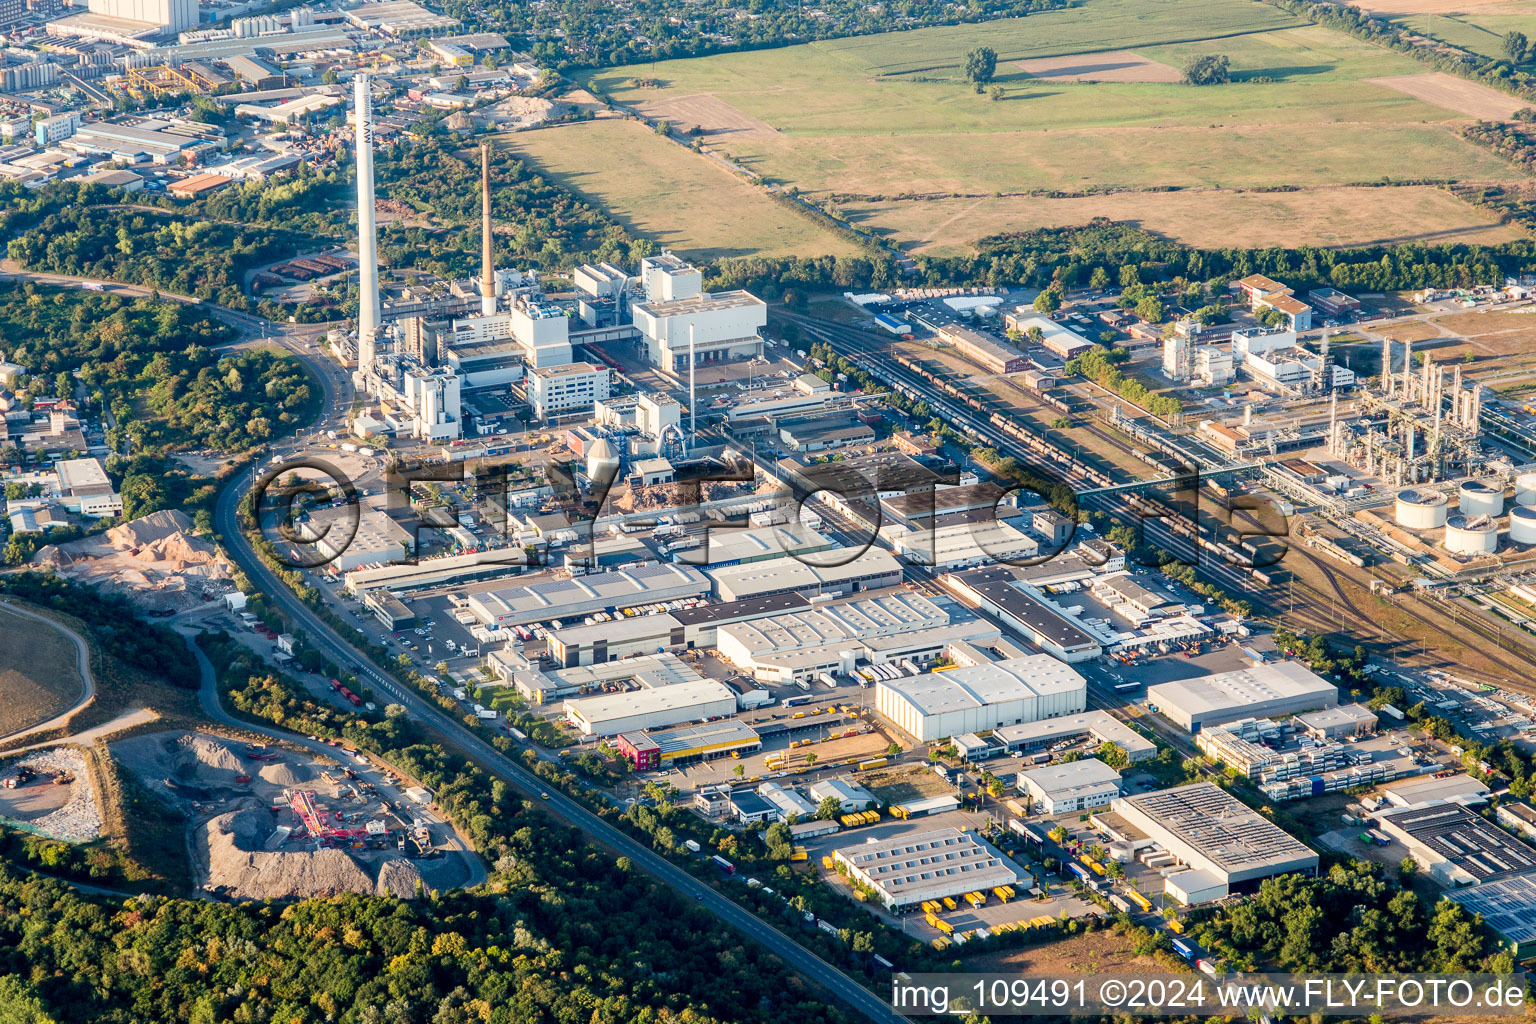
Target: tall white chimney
pixel 367 232
pixel 487 254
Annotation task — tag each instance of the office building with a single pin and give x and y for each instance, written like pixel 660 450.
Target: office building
pixel 558 392
pixel 1073 786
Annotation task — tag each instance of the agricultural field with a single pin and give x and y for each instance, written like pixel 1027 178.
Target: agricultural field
pixel 39 676
pixel 1101 952
pixel 1477 27
pixel 1200 217
pixel 661 191
pixel 1087 105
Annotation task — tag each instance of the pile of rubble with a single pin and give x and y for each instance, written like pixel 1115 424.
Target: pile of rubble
pixel 79 820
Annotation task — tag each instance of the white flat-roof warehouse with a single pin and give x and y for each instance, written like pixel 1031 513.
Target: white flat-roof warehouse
pixel 560 598
pixel 650 708
pixel 982 697
pixel 1263 691
pixel 832 637
pixel 872 570
pixel 1226 845
pixel 1097 725
pixel 910 869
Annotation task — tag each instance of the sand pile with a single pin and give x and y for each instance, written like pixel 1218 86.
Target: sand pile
pixel 154 557
pixel 283 774
pixel 210 761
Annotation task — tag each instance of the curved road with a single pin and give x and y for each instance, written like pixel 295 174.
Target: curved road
pixel 82 663
pixel 208 696
pixel 337 386
pixel 560 806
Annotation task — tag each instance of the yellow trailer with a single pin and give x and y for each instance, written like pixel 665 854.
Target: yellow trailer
pixel 1138 899
pixel 1003 893
pixel 949 901
pixel 1042 921
pixel 828 863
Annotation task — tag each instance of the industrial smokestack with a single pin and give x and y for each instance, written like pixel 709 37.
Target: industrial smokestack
pixel 367 233
pixel 487 260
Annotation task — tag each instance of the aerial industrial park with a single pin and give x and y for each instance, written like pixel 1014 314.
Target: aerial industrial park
pixel 409 541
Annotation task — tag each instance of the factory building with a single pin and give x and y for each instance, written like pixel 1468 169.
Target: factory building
pixel 618 638
pixel 649 707
pixel 669 748
pixel 562 598
pixel 1025 610
pixel 1338 723
pixel 1227 847
pixel 1457 846
pixel 872 570
pixel 1265 690
pixel 786 802
pixel 981 697
pixel 963 545
pixel 348 537
pixel 677 316
pixel 906 870
pixel 1074 786
pixel 725 546
pixel 833 638
pixel 1098 726
pixel 1508 907
pixel 538 685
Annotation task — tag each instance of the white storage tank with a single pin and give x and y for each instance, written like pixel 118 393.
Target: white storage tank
pixel 1525 489
pixel 602 460
pixel 1522 524
pixel 1471 535
pixel 1421 509
pixel 1481 498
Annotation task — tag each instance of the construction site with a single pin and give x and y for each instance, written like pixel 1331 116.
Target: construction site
pixel 154 561
pixel 265 823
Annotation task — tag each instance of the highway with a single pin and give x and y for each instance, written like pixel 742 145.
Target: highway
pixel 561 807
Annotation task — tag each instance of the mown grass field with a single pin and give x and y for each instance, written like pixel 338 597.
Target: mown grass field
pixel 885 117
pixel 39 677
pixel 658 189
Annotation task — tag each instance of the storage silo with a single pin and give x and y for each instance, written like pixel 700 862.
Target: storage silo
pixel 1471 535
pixel 1418 509
pixel 1522 524
pixel 1480 498
pixel 602 460
pixel 1525 489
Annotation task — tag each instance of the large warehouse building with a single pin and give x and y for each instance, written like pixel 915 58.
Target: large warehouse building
pixel 1025 610
pixel 982 697
pixel 556 597
pixel 1263 691
pixel 808 575
pixel 1227 846
pixel 642 709
pixel 799 645
pixel 909 869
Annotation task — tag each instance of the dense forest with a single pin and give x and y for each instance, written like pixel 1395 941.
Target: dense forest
pixel 152 366
pixel 595 33
pixel 202 258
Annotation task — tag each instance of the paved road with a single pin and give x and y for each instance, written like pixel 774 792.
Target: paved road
pixel 82 664
pixel 208 696
pixel 558 804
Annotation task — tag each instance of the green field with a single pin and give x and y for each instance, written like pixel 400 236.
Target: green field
pixel 886 116
pixel 1480 29
pixel 39 676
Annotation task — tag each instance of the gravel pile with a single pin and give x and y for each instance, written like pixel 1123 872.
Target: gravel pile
pixel 284 774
